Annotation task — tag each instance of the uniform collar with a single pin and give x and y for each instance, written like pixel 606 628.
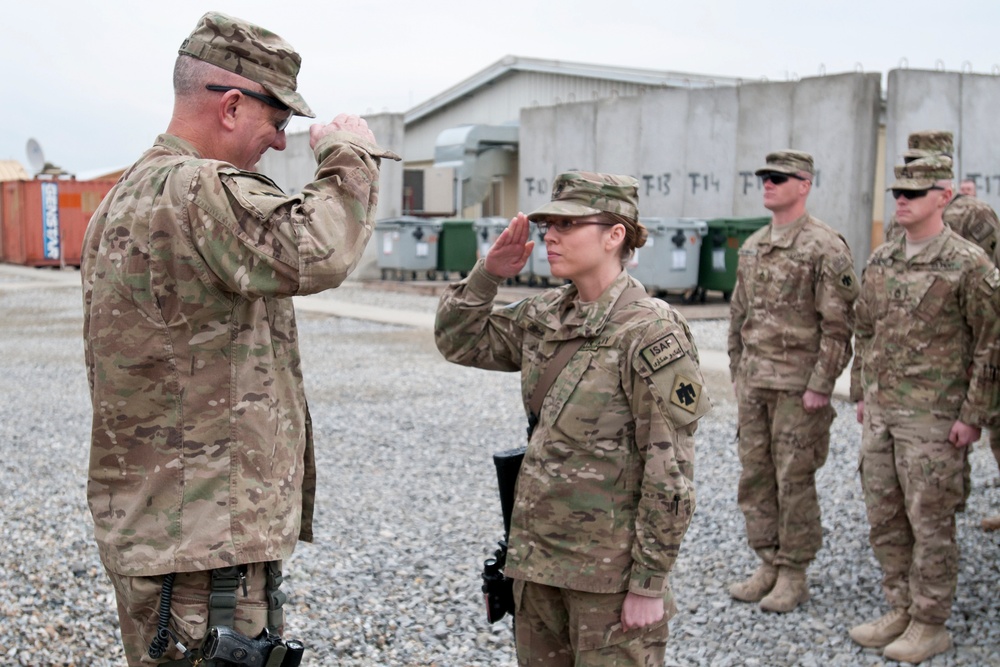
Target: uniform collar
pixel 929 254
pixel 572 318
pixel 787 240
pixel 177 145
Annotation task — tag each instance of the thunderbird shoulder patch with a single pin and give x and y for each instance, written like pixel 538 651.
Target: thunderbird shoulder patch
pixel 662 352
pixel 686 394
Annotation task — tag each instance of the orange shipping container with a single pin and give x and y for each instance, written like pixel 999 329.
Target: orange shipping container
pixel 43 221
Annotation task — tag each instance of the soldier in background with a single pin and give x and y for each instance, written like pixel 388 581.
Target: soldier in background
pixel 970 218
pixel 606 490
pixel 202 472
pixel 926 380
pixel 967 187
pixel 789 340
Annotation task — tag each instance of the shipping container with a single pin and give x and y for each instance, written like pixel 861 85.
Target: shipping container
pixel 42 222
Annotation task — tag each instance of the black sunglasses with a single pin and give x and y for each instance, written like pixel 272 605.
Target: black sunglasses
pixel 266 99
pixel 778 178
pixel 913 194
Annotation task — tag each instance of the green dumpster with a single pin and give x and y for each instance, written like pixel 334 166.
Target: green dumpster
pixel 720 253
pixel 457 246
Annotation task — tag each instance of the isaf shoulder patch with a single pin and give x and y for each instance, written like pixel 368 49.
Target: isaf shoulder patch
pixel 686 394
pixel 661 352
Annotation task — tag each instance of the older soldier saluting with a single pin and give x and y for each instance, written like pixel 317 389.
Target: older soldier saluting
pixel 201 467
pixel 789 339
pixel 606 492
pixel 926 381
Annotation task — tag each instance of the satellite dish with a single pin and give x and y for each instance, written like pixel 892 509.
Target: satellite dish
pixel 36 158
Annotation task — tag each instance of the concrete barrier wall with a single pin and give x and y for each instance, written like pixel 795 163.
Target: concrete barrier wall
pixel 694 151
pixel 926 100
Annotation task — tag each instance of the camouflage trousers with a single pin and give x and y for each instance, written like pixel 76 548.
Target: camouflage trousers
pixel 138 611
pixel 559 627
pixel 781 446
pixel 914 482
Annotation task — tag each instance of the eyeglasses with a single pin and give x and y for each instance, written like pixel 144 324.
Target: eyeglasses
pixel 913 194
pixel 778 178
pixel 563 225
pixel 266 99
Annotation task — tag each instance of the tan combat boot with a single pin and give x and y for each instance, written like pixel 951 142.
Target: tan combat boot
pixel 789 592
pixel 757 586
pixel 919 642
pixel 883 630
pixel 991 523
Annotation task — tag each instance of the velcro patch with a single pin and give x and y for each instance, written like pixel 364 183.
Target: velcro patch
pixel 993 279
pixel 980 230
pixel 840 264
pixel 662 352
pixel 685 394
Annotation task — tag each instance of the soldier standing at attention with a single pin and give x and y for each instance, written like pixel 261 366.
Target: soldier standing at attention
pixel 926 380
pixel 202 472
pixel 605 492
pixel 970 218
pixel 789 340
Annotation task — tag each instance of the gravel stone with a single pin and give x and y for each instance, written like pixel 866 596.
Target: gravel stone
pixel 408 509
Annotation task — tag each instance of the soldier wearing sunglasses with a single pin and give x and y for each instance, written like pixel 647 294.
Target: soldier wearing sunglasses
pixel 789 340
pixel 202 472
pixel 925 379
pixel 971 218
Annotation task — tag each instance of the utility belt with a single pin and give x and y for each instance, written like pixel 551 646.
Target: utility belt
pixel 223 645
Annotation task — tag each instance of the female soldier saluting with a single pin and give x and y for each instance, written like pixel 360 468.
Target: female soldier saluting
pixel 605 493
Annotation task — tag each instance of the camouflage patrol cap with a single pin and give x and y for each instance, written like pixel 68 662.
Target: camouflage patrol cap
pixel 927 143
pixel 578 194
pixel 922 173
pixel 250 51
pixel 787 162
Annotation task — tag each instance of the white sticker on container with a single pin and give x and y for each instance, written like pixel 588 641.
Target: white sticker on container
pixel 719 259
pixel 680 260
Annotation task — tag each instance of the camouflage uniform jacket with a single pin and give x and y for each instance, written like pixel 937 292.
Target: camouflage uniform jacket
pixel 201 452
pixel 791 310
pixel 605 493
pixel 970 218
pixel 928 331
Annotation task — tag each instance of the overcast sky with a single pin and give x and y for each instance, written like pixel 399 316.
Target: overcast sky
pixel 91 80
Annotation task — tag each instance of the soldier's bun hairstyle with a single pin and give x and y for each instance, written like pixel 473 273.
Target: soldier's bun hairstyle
pixel 635 232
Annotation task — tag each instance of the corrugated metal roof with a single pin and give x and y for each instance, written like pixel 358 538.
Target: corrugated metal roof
pixel 647 77
pixel 11 170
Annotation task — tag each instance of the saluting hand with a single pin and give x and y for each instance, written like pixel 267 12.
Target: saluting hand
pixel 512 249
pixel 342 123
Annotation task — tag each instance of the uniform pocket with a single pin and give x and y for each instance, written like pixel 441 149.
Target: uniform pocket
pixel 933 300
pixel 593 406
pixel 598 622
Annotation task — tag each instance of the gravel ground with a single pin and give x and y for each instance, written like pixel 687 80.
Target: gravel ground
pixel 408 510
